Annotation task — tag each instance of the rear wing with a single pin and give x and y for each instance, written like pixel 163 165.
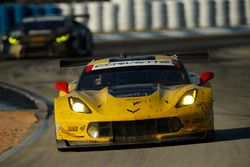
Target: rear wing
pixel 191 56
pixel 73 62
pixel 87 16
pixel 183 56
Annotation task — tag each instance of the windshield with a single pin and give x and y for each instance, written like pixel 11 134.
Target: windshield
pixel 166 75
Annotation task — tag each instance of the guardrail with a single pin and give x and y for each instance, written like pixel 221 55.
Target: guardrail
pixel 141 15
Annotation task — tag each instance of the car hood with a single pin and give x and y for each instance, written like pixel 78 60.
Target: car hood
pixel 138 100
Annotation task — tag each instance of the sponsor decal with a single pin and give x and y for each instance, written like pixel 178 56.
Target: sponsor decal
pixel 132 63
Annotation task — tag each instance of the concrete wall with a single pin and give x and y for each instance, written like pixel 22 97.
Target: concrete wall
pixel 140 15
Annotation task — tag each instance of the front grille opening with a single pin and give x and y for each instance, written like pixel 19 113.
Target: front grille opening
pixel 134 131
pixel 137 131
pixel 168 125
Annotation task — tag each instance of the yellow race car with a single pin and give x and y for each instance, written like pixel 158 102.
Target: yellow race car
pixel 132 100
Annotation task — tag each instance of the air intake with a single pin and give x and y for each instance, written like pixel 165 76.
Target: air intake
pixel 133 90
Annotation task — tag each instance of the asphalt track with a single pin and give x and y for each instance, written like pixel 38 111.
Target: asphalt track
pixel 231 105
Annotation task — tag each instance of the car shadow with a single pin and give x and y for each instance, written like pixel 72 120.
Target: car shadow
pixel 220 136
pixel 232 134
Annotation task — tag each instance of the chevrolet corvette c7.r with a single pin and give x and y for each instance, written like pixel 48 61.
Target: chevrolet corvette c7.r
pixel 131 100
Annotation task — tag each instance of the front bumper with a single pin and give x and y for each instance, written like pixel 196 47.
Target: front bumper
pixel 185 138
pixel 132 132
pixel 30 49
pixel 47 49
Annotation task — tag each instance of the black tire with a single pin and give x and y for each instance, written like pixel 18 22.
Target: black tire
pixel 61 145
pixel 82 44
pixel 77 48
pixel 4 54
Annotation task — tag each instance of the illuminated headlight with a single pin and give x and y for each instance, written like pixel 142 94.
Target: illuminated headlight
pixel 93 131
pixel 13 41
pixel 100 129
pixel 188 98
pixel 78 106
pixel 62 38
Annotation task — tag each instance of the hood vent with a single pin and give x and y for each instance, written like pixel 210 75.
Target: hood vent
pixel 133 90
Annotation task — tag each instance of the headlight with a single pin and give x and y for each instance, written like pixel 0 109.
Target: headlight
pixel 13 41
pixel 62 38
pixel 100 129
pixel 78 106
pixel 188 98
pixel 93 131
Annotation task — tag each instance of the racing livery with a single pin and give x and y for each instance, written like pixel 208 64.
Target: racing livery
pixel 50 36
pixel 131 100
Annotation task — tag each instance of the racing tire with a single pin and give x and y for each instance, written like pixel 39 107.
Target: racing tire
pixel 61 145
pixel 82 45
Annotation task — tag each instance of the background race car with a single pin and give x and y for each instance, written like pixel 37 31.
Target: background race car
pixel 48 36
pixel 132 100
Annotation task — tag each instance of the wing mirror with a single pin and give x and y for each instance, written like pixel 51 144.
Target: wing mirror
pixel 62 86
pixel 206 76
pixel 194 78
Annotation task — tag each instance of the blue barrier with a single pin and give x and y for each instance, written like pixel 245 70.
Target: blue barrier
pixel 20 12
pixel 36 10
pixel 7 21
pixel 11 17
pixel 11 14
pixel 4 25
pixel 51 10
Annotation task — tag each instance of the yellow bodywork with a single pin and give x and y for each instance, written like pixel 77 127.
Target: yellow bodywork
pixel 195 118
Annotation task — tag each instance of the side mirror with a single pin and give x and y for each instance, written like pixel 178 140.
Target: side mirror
pixel 194 78
pixel 206 76
pixel 63 86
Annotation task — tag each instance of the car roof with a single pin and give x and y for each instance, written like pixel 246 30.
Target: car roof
pixel 43 18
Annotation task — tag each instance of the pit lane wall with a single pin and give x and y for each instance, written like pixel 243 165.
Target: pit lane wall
pixel 141 15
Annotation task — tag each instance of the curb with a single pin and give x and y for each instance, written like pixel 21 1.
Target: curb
pixel 43 114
